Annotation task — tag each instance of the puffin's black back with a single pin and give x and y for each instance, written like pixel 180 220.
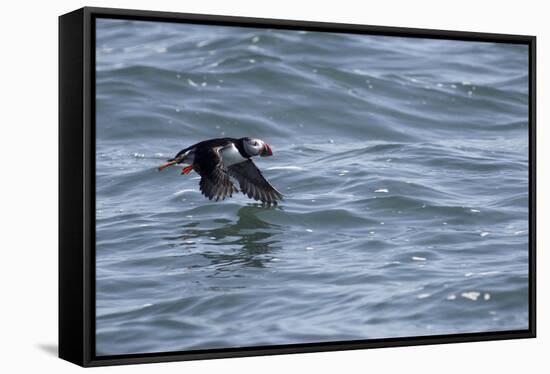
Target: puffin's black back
pixel 211 143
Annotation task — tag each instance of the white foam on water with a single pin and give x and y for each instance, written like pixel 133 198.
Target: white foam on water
pixel 181 192
pixel 474 210
pixel 147 305
pixel 472 295
pixel 309 248
pixel 417 258
pixel 193 84
pixel 451 297
pixel 423 295
pixel 162 50
pixel 468 274
pixel 382 190
pixel 520 232
pixel 487 297
pixel 132 48
pixel 483 234
pixel 255 39
pixel 309 230
pixel 202 43
pixel 252 61
pixel 493 272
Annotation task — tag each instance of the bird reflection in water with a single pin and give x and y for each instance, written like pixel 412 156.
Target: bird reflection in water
pixel 250 241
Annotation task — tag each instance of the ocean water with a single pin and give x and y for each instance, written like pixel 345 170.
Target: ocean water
pixel 405 168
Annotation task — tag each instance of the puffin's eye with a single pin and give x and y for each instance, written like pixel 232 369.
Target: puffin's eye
pixel 255 144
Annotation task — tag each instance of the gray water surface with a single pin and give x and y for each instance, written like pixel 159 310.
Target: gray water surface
pixel 405 168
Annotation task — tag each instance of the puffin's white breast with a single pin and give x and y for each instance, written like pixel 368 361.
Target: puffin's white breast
pixel 230 155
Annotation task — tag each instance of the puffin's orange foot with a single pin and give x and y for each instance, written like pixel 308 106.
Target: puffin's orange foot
pixel 187 169
pixel 169 163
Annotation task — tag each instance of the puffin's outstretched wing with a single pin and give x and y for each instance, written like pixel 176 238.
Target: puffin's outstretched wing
pixel 215 182
pixel 253 184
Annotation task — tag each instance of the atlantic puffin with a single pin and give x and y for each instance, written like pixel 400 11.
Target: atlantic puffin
pixel 216 160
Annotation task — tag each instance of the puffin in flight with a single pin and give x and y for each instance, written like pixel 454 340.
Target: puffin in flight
pixel 217 159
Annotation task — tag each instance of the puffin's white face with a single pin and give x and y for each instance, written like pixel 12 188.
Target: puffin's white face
pixel 255 147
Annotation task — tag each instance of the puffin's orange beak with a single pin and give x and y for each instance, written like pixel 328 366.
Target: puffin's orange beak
pixel 266 151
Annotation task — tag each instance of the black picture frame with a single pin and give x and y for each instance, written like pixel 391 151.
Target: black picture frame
pixel 77 186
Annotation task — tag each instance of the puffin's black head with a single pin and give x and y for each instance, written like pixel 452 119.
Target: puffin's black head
pixel 256 147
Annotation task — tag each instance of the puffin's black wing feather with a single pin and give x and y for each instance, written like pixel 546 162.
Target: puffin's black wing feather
pixel 215 182
pixel 253 184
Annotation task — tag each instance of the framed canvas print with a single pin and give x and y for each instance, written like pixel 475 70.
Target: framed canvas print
pixel 236 186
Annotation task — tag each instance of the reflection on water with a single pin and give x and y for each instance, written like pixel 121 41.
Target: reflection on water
pixel 248 242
